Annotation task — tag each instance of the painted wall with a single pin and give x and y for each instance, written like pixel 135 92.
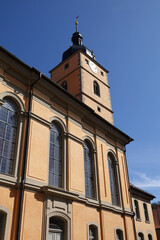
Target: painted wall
pixel 141 225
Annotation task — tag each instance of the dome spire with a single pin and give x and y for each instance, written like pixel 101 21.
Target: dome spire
pixel 77 37
pixel 76 23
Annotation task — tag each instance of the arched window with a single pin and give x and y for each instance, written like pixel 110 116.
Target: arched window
pixel 119 234
pixel 96 88
pixel 150 237
pixel 2 224
pixel 55 156
pixel 136 205
pixel 8 135
pixel 146 212
pixel 64 85
pixel 93 232
pixel 89 171
pixel 140 236
pixel 57 229
pixel 113 180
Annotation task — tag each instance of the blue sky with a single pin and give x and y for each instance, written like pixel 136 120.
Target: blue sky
pixel 125 36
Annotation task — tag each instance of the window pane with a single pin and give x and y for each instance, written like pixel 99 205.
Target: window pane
pixel 8 132
pixel 113 180
pixel 56 229
pixel 89 171
pixel 137 209
pixel 4 114
pixel 55 158
pixel 2 130
pixel 146 212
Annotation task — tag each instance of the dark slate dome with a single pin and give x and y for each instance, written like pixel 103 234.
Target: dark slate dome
pixel 77 44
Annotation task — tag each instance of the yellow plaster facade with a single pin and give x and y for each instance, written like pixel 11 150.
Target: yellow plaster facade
pixel 91 199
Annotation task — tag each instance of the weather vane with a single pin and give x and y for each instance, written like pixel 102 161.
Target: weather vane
pixel 76 23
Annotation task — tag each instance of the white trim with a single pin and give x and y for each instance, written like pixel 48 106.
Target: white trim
pixel 98 229
pixel 60 122
pixel 22 110
pixel 15 98
pixel 67 222
pixel 89 139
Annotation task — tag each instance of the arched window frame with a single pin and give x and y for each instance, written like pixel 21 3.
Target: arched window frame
pixel 137 211
pixel 114 158
pixel 64 85
pixel 95 225
pixel 96 88
pixel 21 111
pixel 145 209
pixel 7 213
pixel 93 159
pixel 118 228
pixel 141 235
pixel 62 126
pixel 65 219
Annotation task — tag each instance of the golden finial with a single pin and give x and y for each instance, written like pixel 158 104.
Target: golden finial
pixel 76 23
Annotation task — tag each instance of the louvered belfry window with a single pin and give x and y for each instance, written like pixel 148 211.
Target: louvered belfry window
pixel 96 88
pixel 55 156
pixel 8 134
pixel 89 171
pixel 113 180
pixel 64 85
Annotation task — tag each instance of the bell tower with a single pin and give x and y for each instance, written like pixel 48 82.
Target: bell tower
pixel 82 76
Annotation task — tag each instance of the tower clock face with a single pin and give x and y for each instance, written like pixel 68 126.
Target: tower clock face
pixel 93 67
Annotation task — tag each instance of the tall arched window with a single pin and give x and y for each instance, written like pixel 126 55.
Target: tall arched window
pixel 136 205
pixel 113 180
pixel 96 88
pixel 8 135
pixel 89 171
pixel 55 156
pixel 119 234
pixel 140 236
pixel 2 224
pixel 146 212
pixel 57 229
pixel 150 237
pixel 93 232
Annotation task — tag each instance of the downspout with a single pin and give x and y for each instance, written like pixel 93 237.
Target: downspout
pixel 130 198
pixel 98 185
pixel 23 178
pixel 120 181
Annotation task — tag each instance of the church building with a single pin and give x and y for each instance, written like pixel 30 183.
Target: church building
pixel 63 169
